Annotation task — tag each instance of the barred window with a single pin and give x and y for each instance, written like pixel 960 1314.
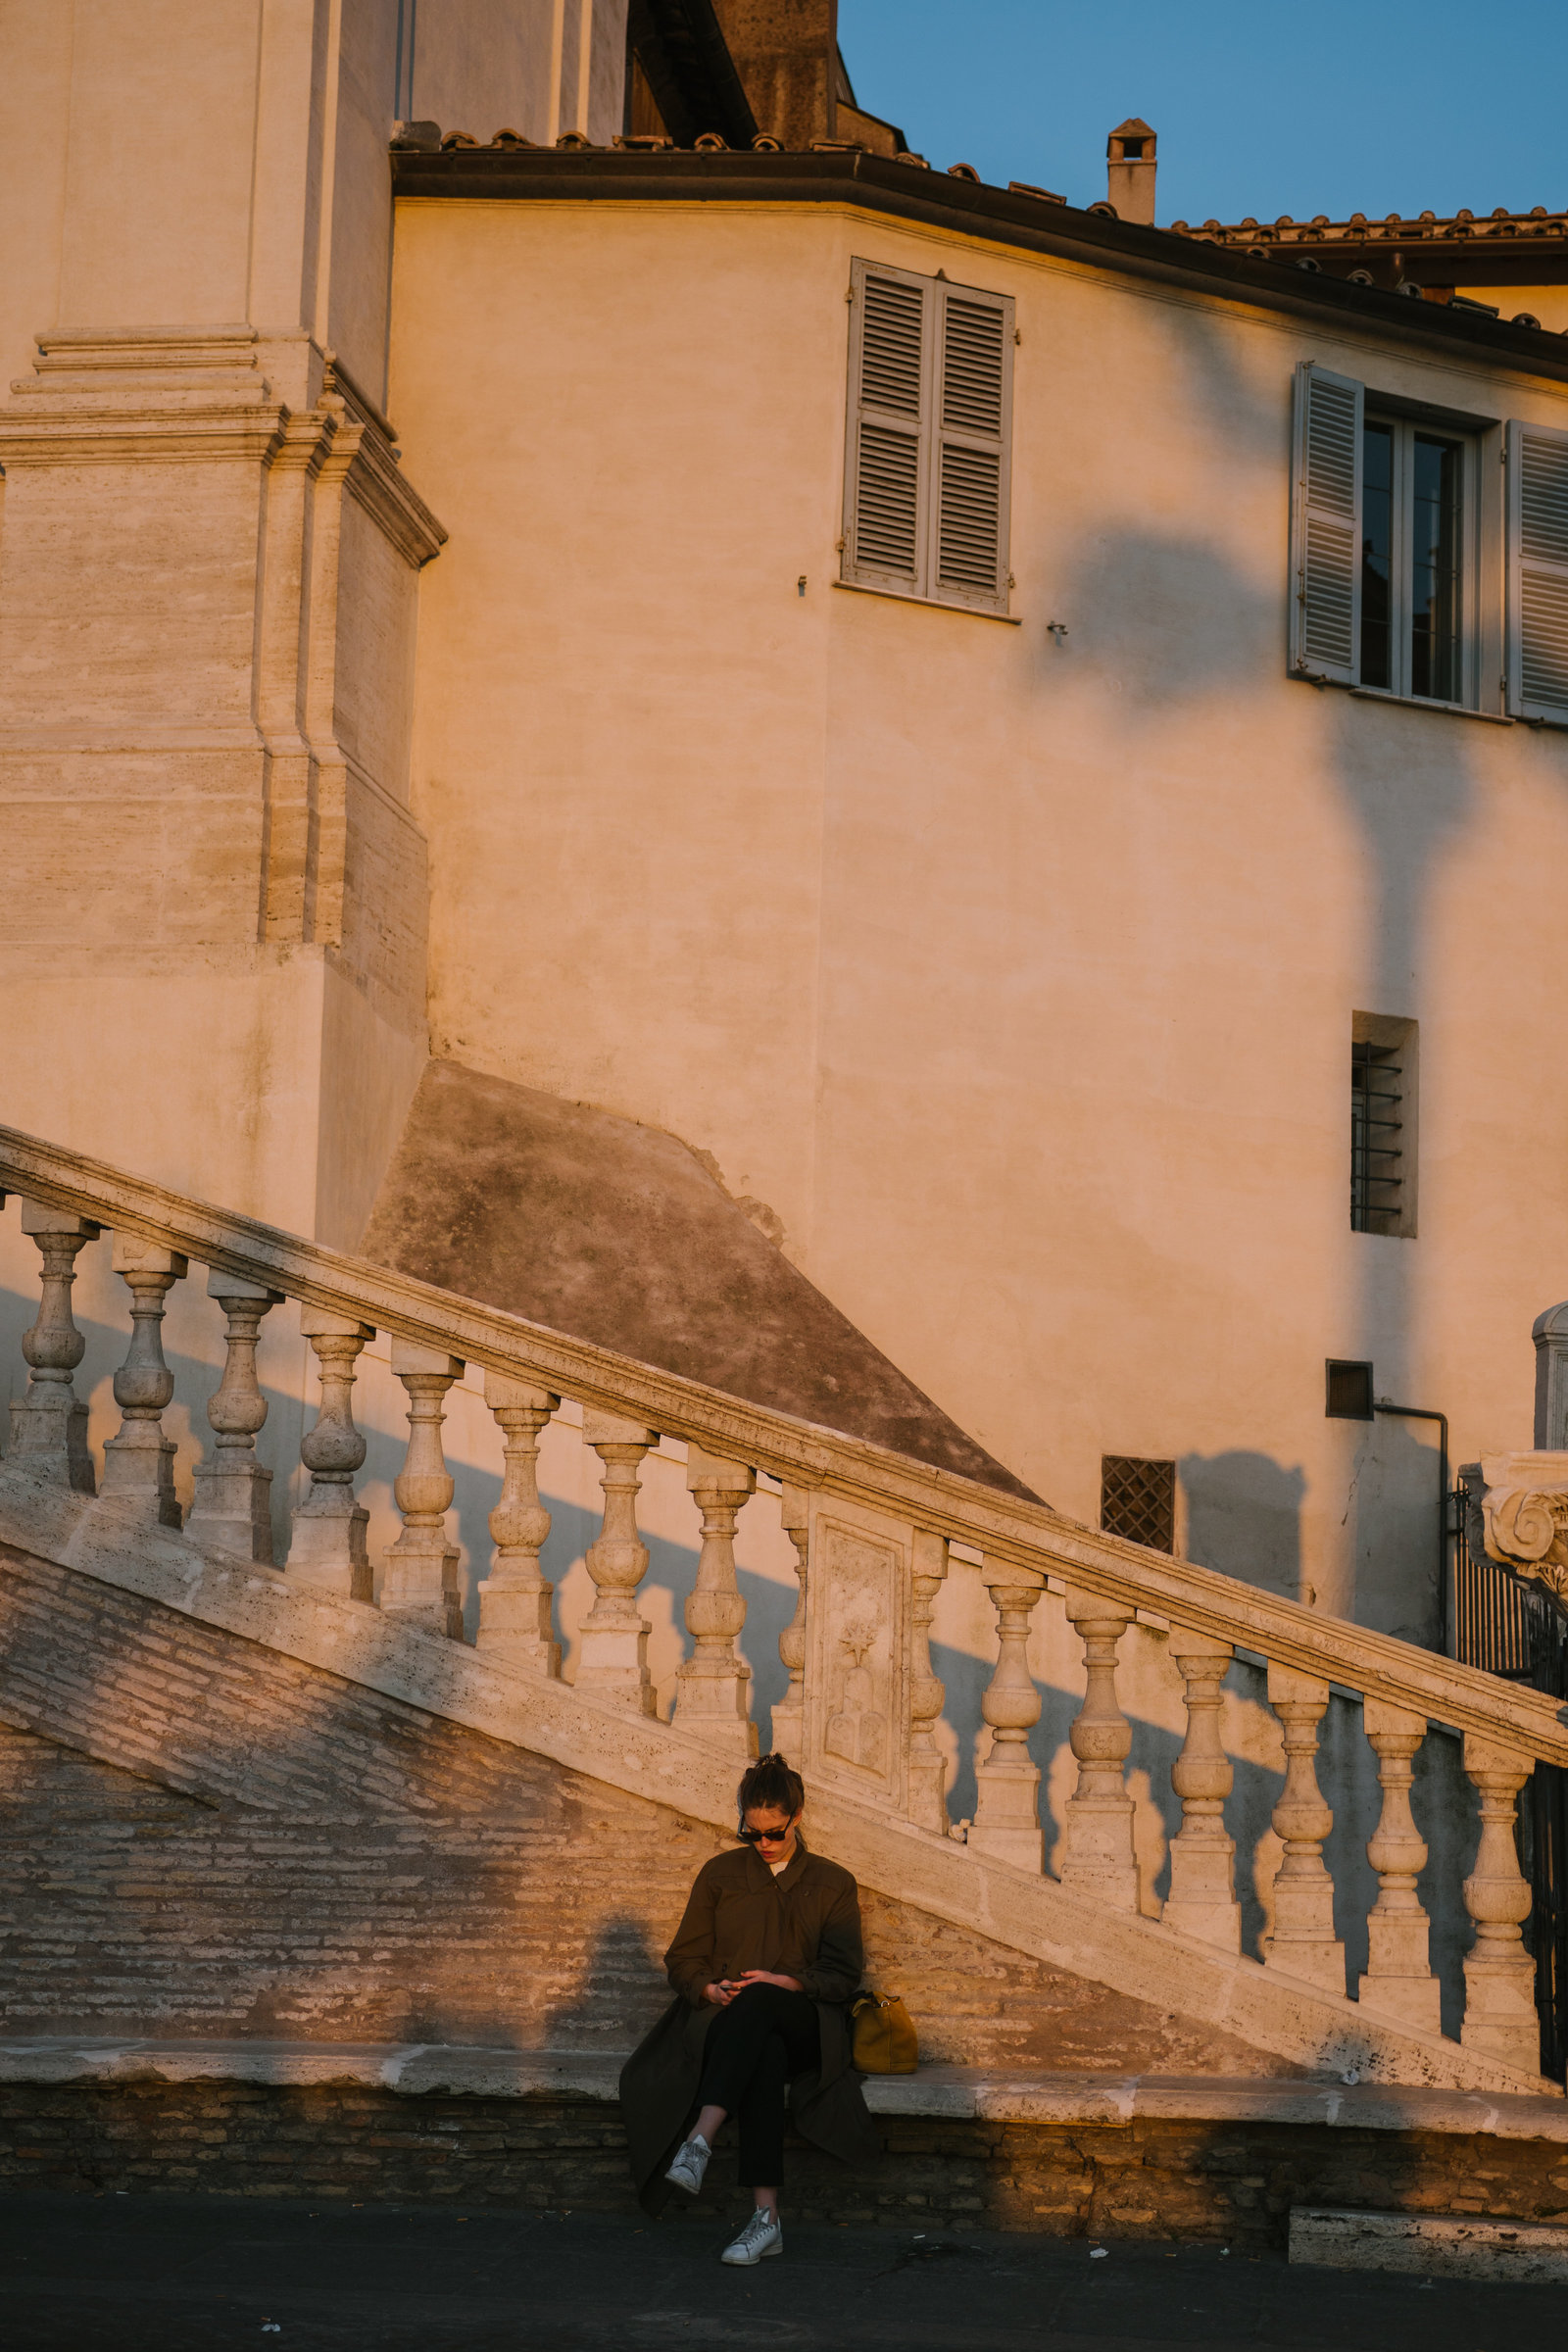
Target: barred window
pixel 1382 1125
pixel 1137 1501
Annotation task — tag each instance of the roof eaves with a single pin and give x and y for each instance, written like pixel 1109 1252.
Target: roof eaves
pixel 907 190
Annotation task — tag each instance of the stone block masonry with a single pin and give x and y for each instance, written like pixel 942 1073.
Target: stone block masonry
pixel 206 1837
pixel 1221 2182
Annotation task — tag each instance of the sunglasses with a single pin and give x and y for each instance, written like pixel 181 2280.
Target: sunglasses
pixel 761 1836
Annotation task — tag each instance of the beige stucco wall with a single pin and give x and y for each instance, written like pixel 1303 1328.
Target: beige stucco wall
pixel 169 162
pixel 1015 975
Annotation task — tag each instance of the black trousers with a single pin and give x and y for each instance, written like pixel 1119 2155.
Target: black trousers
pixel 753 2047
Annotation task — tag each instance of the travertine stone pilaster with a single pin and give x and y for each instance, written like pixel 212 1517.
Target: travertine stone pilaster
pixel 1202 1886
pixel 232 1506
pixel 1006 1813
pixel 514 1600
pixel 1303 1943
pixel 1098 1855
pixel 1500 1976
pixel 927 1801
pixel 420 1581
pixel 613 1655
pixel 789 1716
pixel 714 1687
pixel 49 1425
pixel 139 1462
pixel 1398 1979
pixel 326 1544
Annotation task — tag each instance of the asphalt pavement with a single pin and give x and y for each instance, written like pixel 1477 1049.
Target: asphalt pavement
pixel 168 2273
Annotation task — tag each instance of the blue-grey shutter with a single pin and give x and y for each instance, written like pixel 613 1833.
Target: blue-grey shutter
pixel 972 437
pixel 886 463
pixel 1536 666
pixel 1326 526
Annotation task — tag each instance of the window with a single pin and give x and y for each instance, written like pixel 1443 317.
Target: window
pixel 1137 1501
pixel 1412 529
pixel 926 460
pixel 1390 512
pixel 1383 1091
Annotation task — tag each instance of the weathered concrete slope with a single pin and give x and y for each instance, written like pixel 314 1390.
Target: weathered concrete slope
pixel 617 1234
pixel 1219 2000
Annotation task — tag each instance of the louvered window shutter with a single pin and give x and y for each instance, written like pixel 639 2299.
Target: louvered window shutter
pixel 973 432
pixel 1538 572
pixel 884 497
pixel 1326 526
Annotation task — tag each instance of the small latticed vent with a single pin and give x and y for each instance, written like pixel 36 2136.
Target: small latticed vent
pixel 888 506
pixel 1137 1501
pixel 971 499
pixel 971 373
pixel 890 363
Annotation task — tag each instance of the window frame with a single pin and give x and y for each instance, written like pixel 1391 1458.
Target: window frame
pixel 1405 429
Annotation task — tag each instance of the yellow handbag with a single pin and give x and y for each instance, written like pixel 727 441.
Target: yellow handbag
pixel 884 2036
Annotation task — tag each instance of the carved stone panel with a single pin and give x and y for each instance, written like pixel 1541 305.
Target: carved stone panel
pixel 857 1729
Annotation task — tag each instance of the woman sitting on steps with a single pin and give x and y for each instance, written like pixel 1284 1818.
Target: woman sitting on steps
pixel 765 1964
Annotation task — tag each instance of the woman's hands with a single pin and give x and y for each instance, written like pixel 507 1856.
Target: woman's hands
pixel 724 1991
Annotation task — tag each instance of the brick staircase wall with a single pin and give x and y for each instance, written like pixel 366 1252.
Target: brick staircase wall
pixel 210 1837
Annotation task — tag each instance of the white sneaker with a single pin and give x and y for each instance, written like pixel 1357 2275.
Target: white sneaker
pixel 763 2234
pixel 691 2163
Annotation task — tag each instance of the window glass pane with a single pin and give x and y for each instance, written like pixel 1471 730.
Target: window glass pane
pixel 1377 553
pixel 1435 570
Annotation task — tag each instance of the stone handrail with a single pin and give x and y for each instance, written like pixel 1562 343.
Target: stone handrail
pixel 872 1530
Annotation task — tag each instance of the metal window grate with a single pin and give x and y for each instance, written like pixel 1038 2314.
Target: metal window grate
pixel 1137 1501
pixel 1377 1156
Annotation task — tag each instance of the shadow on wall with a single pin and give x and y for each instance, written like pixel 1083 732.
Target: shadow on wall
pixel 1243 1519
pixel 622 1989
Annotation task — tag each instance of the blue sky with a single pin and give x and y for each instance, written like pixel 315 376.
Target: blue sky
pixel 1262 108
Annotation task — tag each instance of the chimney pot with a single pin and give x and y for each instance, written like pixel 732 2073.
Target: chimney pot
pixel 1130 170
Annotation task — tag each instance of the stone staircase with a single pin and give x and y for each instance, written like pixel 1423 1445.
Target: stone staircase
pixel 348 1775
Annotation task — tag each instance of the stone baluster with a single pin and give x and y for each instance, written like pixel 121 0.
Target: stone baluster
pixel 789 1716
pixel 613 1655
pixel 232 1507
pixel 139 1462
pixel 327 1545
pixel 49 1425
pixel 1202 1886
pixel 928 1769
pixel 1097 1855
pixel 420 1587
pixel 514 1600
pixel 714 1687
pixel 1500 1976
pixel 1007 1814
pixel 1303 1943
pixel 1399 1977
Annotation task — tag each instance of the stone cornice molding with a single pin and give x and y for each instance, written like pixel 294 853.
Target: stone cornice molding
pixel 165 395
pixel 1034 1541
pixel 153 436
pixel 1007 217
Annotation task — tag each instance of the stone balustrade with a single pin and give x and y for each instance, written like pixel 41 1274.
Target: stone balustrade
pixel 876 1537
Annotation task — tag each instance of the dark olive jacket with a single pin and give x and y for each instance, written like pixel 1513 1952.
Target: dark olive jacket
pixel 806 1924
